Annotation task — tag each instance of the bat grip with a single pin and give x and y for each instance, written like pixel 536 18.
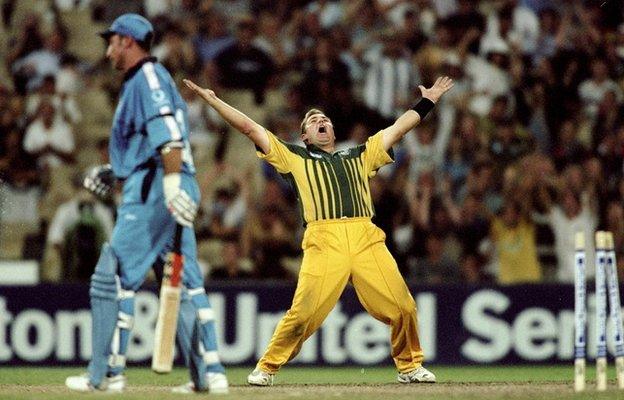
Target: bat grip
pixel 177 239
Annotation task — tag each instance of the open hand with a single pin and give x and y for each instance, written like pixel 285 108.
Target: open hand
pixel 442 85
pixel 205 94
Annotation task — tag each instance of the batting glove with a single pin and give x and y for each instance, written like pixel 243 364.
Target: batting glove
pixel 99 180
pixel 178 202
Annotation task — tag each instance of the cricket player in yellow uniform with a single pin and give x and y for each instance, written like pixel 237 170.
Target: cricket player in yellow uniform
pixel 340 241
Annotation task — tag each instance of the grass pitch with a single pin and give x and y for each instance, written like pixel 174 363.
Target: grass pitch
pixel 493 382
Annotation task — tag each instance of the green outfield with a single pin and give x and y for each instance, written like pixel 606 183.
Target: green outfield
pixel 494 382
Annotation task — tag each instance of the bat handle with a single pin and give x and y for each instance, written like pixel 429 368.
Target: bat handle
pixel 177 239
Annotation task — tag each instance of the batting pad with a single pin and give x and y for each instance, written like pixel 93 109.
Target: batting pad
pixel 121 335
pixel 188 338
pixel 207 334
pixel 104 310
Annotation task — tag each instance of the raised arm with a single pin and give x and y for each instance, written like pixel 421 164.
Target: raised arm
pixel 412 117
pixel 234 117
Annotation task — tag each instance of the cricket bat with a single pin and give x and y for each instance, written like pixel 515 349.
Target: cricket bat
pixel 166 325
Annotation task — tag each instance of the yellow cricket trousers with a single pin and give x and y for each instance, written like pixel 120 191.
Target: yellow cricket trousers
pixel 333 252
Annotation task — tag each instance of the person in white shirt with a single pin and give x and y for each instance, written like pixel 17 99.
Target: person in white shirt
pixel 46 61
pixel 68 213
pixel 76 229
pixel 391 79
pixel 592 90
pixel 575 211
pixel 516 24
pixel 488 75
pixel 64 103
pixel 49 139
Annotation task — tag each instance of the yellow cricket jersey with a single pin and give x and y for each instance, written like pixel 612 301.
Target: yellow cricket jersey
pixel 329 186
pixel 517 252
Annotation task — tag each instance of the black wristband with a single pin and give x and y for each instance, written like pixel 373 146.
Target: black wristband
pixel 423 107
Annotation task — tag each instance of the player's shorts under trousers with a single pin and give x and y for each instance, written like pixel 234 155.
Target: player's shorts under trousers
pixel 335 251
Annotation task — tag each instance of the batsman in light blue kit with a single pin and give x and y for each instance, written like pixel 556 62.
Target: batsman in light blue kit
pixel 150 153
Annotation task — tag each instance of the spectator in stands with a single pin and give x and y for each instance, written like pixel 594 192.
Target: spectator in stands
pixel 20 189
pixel 507 145
pixel 489 75
pixel 242 65
pixel 535 116
pixel 65 105
pixel 574 211
pixel 392 78
pixel 49 139
pixel 500 111
pixel 514 248
pixel 212 36
pixel 568 150
pixel 474 141
pixel 514 23
pixel 77 231
pixel 324 72
pixel 610 116
pixel 472 226
pixel 456 164
pixel 549 36
pixel 592 90
pixel 33 67
pixel 365 28
pixel 175 52
pixel 412 31
pixel 272 40
pixel 481 183
pixel 432 54
pixel 28 39
pixel 465 18
pixel 17 167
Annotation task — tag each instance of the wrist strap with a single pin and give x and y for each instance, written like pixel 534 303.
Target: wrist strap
pixel 423 107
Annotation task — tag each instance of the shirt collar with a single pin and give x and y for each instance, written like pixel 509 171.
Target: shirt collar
pixel 130 73
pixel 313 148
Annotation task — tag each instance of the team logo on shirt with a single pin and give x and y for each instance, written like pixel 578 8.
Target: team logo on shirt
pixel 158 96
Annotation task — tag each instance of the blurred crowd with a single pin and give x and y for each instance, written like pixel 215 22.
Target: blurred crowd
pixel 526 150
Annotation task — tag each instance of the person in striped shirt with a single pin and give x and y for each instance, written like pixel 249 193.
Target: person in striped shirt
pixel 340 243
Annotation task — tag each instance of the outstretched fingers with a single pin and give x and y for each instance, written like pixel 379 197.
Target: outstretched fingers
pixel 191 85
pixel 444 83
pixel 205 94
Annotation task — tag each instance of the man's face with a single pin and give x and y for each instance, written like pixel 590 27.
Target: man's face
pixel 115 51
pixel 319 131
